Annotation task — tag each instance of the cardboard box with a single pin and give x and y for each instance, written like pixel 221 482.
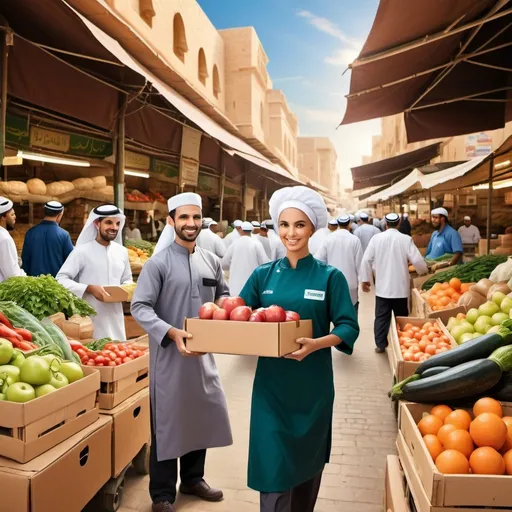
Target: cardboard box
pixel 27 430
pixel 421 309
pixel 133 329
pixel 64 478
pixel 117 294
pixel 403 369
pixel 450 490
pixel 395 499
pixel 130 429
pixel 82 330
pixel 246 338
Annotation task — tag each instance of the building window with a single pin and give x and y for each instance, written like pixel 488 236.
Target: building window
pixel 216 82
pixel 179 37
pixel 202 68
pixel 146 11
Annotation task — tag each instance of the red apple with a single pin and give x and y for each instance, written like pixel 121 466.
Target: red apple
pixel 220 301
pixel 220 314
pixel 257 316
pixel 240 314
pixel 206 310
pixel 275 314
pixel 292 316
pixel 230 303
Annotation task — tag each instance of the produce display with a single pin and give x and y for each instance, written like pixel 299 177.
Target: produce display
pixel 463 443
pixel 470 272
pixel 235 309
pixel 43 296
pixel 471 369
pixel 445 295
pixel 136 256
pixel 420 343
pixel 26 377
pixel 105 352
pixel 141 245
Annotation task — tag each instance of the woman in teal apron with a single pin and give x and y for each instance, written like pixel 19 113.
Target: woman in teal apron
pixel 292 402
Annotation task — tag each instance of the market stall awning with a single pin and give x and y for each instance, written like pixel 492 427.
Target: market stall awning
pixel 410 182
pixel 437 178
pixel 384 172
pixel 445 64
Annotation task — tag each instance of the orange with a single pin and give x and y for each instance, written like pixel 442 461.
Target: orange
pixel 487 461
pixel 460 418
pixel 461 441
pixel 452 462
pixel 433 445
pixel 445 286
pixel 488 429
pixel 436 287
pixel 508 442
pixel 508 462
pixel 455 283
pixel 487 405
pixel 444 301
pixel 430 425
pixel 441 411
pixel 444 431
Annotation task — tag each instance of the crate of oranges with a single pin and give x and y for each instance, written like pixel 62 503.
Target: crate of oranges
pixel 463 457
pixel 413 340
pixel 445 295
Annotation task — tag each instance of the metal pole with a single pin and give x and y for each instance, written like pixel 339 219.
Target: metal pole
pixel 7 41
pixel 120 156
pixel 222 186
pixel 489 200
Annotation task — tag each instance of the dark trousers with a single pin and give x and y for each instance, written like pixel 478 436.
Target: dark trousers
pixel 383 309
pixel 301 498
pixel 163 475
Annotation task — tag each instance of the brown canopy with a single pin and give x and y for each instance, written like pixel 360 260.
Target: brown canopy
pixel 445 64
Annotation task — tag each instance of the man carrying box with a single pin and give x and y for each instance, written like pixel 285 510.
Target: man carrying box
pixel 188 406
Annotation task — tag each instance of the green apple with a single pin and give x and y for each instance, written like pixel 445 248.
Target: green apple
pixel 499 318
pixel 58 380
pixel 53 361
pixel 11 371
pixel 465 337
pixel 20 392
pixel 459 330
pixel 472 315
pixel 483 324
pixel 506 305
pixel 488 309
pixel 35 371
pixel 2 397
pixel 45 389
pixel 17 358
pixel 72 371
pixel 498 297
pixel 6 351
pixel 453 322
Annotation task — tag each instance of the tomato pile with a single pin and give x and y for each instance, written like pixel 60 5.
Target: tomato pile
pixel 112 354
pixel 420 343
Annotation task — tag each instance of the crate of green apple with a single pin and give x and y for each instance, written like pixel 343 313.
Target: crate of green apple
pixel 106 352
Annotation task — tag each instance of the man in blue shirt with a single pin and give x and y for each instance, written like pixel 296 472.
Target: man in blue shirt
pixel 46 245
pixel 445 239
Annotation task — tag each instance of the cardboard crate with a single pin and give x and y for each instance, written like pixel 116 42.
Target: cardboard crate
pixel 116 294
pixel 403 369
pixel 29 429
pixel 130 429
pixel 133 329
pixel 395 498
pixel 64 478
pixel 414 487
pixel 420 308
pixel 246 338
pixel 450 490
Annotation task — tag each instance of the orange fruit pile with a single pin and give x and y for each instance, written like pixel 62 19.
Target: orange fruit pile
pixel 418 344
pixel 461 443
pixel 445 295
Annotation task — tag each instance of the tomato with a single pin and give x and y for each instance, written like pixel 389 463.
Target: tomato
pixel 431 336
pixel 127 359
pixel 423 345
pixel 407 356
pixel 99 359
pixel 84 359
pixel 119 361
pixel 431 349
pixel 112 363
pixel 91 362
pixel 110 346
pixel 122 354
pixel 414 349
pixel 99 364
pixel 111 355
pixel 419 356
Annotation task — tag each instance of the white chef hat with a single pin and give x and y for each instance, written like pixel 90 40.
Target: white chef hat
pixel 303 199
pixel 344 220
pixel 440 211
pixel 333 222
pixel 247 226
pixel 90 231
pixel 237 223
pixel 168 235
pixel 392 217
pixel 256 224
pixel 467 217
pixel 363 216
pixel 54 206
pixel 5 205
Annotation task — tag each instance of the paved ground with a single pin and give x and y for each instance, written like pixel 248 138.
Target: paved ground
pixel 364 432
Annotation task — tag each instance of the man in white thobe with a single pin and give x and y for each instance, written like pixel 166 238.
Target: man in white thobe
pixel 242 258
pixel 365 232
pixel 9 263
pixel 263 238
pixel 469 233
pixel 132 232
pixel 208 240
pixel 256 226
pixel 234 235
pixel 316 241
pixel 99 260
pixel 277 248
pixel 353 225
pixel 343 251
pixel 390 253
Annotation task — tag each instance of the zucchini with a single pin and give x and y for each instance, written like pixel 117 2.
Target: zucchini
pixel 503 358
pixel 465 380
pixel 434 371
pixel 58 337
pixel 503 390
pixel 478 348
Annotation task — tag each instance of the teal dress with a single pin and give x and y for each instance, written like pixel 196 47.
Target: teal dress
pixel 292 402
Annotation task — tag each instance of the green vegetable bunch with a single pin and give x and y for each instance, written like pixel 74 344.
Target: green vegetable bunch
pixel 143 245
pixel 43 296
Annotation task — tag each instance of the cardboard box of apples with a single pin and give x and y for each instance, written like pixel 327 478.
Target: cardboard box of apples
pixel 231 327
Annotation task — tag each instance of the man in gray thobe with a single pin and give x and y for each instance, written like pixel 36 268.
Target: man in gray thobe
pixel 188 406
pixel 365 232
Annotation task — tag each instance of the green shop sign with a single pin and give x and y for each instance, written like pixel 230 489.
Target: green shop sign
pixel 208 184
pixel 165 168
pixel 17 130
pixel 96 148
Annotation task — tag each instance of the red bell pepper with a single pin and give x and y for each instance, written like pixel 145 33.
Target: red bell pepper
pixel 4 320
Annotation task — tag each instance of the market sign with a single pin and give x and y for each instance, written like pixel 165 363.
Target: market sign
pixel 17 130
pixel 478 144
pixel 232 190
pixel 189 162
pixel 165 168
pixel 96 148
pixel 136 161
pixel 49 139
pixel 208 184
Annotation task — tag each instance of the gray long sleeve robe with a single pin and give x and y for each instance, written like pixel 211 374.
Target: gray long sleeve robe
pixel 188 405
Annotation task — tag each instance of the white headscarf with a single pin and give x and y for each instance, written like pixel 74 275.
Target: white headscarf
pixel 302 198
pixel 90 231
pixel 5 204
pixel 168 235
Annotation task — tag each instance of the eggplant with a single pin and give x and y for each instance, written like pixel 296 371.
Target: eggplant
pixel 465 380
pixel 478 348
pixel 434 371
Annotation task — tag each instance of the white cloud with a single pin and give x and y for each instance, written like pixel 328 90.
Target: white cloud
pixel 343 57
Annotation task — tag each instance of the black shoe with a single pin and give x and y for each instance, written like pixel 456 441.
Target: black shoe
pixel 380 350
pixel 202 490
pixel 163 506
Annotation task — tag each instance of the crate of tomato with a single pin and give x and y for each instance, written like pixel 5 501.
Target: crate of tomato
pixel 123 367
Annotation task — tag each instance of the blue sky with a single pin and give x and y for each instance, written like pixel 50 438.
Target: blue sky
pixel 309 45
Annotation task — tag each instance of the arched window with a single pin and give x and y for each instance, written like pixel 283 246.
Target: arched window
pixel 179 37
pixel 216 81
pixel 202 68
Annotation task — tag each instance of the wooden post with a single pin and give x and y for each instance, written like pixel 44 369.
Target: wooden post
pixel 222 184
pixel 120 156
pixel 7 41
pixel 489 208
